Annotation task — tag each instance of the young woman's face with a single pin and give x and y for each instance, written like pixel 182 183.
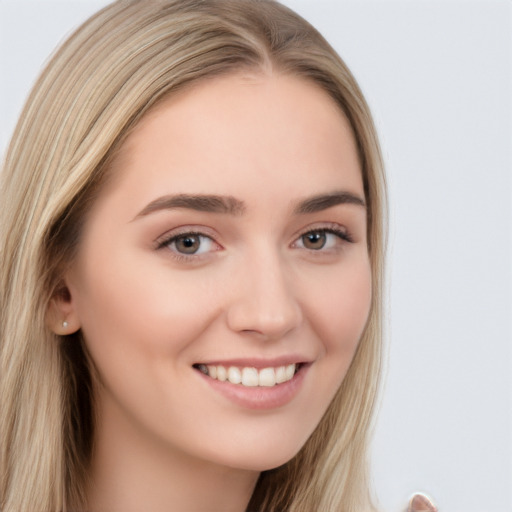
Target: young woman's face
pixel 230 245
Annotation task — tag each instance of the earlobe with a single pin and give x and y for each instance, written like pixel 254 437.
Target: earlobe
pixel 64 327
pixel 61 316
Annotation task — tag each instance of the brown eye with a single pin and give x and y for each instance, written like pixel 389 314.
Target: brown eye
pixel 314 240
pixel 323 239
pixel 187 244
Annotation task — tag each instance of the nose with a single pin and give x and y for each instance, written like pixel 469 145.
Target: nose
pixel 264 303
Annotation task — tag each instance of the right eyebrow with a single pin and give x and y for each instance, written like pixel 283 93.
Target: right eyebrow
pixel 324 201
pixel 198 202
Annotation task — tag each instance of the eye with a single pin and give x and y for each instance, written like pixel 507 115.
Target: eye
pixel 189 244
pixel 325 238
pixel 315 240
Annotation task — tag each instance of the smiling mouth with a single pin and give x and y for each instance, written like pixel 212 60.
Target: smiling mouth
pixel 250 376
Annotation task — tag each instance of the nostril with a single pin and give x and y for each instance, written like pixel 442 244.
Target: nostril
pixel 264 303
pixel 266 321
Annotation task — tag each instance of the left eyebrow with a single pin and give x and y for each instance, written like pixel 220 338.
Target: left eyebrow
pixel 325 201
pixel 199 202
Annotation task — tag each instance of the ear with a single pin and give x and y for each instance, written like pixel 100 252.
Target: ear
pixel 61 316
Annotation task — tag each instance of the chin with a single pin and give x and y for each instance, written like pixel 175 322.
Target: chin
pixel 259 455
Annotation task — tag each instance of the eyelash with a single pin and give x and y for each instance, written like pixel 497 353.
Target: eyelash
pixel 164 243
pixel 343 235
pixel 168 240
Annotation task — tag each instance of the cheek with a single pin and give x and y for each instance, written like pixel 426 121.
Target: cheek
pixel 340 308
pixel 126 300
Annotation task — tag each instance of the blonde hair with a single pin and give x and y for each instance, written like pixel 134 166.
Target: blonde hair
pixel 116 66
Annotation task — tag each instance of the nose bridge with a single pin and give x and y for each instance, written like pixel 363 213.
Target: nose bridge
pixel 265 302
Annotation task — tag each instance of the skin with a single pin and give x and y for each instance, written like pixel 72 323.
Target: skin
pixel 256 288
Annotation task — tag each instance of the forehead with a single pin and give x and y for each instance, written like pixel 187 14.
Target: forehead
pixel 276 129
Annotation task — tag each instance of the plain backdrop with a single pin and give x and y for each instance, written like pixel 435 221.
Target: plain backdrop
pixel 438 77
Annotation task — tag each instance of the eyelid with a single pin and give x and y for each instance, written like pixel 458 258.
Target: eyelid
pixel 333 228
pixel 163 239
pixel 163 242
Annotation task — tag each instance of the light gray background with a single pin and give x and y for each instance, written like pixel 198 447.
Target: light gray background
pixel 438 76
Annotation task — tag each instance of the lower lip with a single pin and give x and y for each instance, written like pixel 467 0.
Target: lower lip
pixel 259 397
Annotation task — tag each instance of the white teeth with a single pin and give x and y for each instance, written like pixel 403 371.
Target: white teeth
pixel 267 377
pixel 249 376
pixel 222 374
pixel 290 371
pixel 281 375
pixel 234 375
pixel 212 372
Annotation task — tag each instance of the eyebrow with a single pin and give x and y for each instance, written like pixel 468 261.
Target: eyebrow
pixel 201 203
pixel 324 201
pixel 232 206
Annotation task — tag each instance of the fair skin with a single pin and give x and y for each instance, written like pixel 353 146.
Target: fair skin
pixel 231 235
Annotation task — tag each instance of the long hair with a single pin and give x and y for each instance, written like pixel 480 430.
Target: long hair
pixel 119 64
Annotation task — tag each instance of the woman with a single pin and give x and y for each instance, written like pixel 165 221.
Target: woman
pixel 192 238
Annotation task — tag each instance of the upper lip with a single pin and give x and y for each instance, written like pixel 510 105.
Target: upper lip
pixel 257 362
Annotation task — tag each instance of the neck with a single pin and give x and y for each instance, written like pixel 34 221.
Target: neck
pixel 132 471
